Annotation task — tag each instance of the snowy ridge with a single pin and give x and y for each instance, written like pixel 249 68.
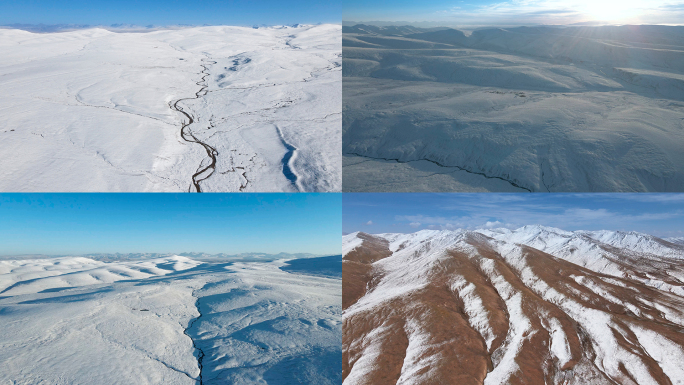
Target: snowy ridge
pixel 552 239
pixel 539 303
pixel 350 242
pixel 31 276
pixel 677 240
pixel 641 257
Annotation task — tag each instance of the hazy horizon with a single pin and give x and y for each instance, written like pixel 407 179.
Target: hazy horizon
pixel 427 25
pixel 495 13
pixel 131 255
pixel 123 28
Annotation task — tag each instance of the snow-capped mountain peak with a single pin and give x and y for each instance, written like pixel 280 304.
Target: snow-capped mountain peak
pixel 539 303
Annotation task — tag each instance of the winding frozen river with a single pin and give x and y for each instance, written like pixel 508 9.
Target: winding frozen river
pixel 194 109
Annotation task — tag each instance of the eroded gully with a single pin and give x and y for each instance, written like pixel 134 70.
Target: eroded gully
pixel 200 352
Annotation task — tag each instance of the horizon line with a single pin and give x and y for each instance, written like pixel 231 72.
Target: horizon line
pixel 162 254
pixel 462 229
pixel 446 25
pixel 123 27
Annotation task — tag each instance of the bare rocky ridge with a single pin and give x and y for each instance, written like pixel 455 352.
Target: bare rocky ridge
pixel 512 307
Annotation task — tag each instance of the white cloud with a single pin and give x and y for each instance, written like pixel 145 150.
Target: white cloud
pixel 369 223
pixel 489 211
pixel 493 225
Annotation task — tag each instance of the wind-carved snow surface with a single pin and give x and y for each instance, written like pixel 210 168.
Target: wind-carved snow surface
pixel 522 109
pixel 170 320
pixel 535 305
pixel 194 109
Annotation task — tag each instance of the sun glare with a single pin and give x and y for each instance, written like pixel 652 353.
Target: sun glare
pixel 612 10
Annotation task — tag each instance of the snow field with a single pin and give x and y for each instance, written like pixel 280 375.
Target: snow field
pixel 94 110
pixel 171 320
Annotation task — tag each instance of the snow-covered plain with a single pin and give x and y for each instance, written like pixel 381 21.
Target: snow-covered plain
pixel 95 110
pixel 524 109
pixel 172 320
pixel 535 305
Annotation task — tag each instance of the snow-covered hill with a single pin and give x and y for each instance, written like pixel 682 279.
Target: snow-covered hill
pixel 677 240
pixel 173 320
pixel 525 109
pixel 207 108
pixel 534 305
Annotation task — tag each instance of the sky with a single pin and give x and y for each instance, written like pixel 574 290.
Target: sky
pixel 480 13
pixel 60 224
pixel 660 214
pixel 170 12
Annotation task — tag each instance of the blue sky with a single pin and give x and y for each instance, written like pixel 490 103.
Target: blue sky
pixel 57 224
pixel 656 214
pixel 170 12
pixel 477 13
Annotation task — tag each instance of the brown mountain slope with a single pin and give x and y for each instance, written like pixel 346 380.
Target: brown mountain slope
pixel 463 308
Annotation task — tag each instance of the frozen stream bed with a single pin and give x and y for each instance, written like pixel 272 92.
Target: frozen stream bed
pixel 194 109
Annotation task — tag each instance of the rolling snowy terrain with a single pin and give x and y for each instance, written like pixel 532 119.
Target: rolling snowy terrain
pixel 172 320
pixel 535 305
pixel 193 109
pixel 586 109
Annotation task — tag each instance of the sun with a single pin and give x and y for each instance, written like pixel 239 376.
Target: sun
pixel 612 10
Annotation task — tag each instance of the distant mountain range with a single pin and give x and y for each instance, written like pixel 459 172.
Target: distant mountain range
pixel 388 30
pixel 437 24
pixel 119 27
pixel 110 257
pixel 47 28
